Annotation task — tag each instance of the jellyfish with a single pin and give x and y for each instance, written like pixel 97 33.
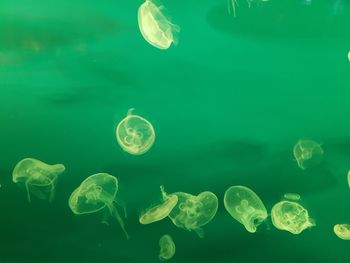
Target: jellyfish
pixel 349 56
pixel 245 206
pixel 39 178
pixel 307 153
pixel 292 196
pixel 232 4
pixel 160 211
pixel 155 27
pixel 192 212
pixel 342 231
pixel 97 193
pixel 167 247
pixel 291 216
pixel 349 178
pixel 135 134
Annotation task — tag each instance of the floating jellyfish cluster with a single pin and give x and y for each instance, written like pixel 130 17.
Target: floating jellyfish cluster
pixel 136 135
pixel 98 193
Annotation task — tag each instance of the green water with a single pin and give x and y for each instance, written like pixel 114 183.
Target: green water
pixel 227 104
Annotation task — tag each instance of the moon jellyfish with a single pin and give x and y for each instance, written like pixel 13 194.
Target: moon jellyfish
pixel 245 206
pixel 307 153
pixel 135 134
pixel 232 4
pixel 349 178
pixel 160 211
pixel 292 196
pixel 155 27
pixel 192 212
pixel 342 231
pixel 167 248
pixel 39 178
pixel 97 193
pixel 291 216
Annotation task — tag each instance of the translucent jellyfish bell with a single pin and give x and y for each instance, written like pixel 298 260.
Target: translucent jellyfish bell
pixel 160 211
pixel 342 231
pixel 307 153
pixel 167 247
pixel 97 192
pixel 192 212
pixel 245 206
pixel 39 178
pixel 292 196
pixel 155 27
pixel 135 134
pixel 291 216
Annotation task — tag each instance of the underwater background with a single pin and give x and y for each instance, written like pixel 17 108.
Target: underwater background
pixel 227 103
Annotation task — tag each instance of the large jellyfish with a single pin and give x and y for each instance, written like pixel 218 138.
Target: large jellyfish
pixel 160 211
pixel 291 216
pixel 245 206
pixel 135 134
pixel 342 231
pixel 39 178
pixel 307 153
pixel 97 193
pixel 167 247
pixel 155 27
pixel 192 212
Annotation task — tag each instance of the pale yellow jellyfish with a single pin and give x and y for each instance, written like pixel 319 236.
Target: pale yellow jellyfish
pixel 155 27
pixel 39 178
pixel 307 153
pixel 192 212
pixel 292 196
pixel 291 216
pixel 97 193
pixel 349 55
pixel 342 231
pixel 245 206
pixel 167 247
pixel 135 134
pixel 232 4
pixel 349 178
pixel 160 211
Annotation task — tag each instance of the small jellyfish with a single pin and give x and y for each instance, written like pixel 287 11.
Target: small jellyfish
pixel 97 193
pixel 192 212
pixel 167 248
pixel 135 134
pixel 307 153
pixel 291 216
pixel 232 4
pixel 349 178
pixel 39 178
pixel 292 196
pixel 160 211
pixel 342 231
pixel 349 56
pixel 155 27
pixel 245 206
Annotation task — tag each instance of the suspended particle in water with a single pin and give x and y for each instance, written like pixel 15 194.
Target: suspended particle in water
pixel 307 153
pixel 97 193
pixel 245 206
pixel 155 27
pixel 39 178
pixel 192 212
pixel 135 134
pixel 292 196
pixel 167 248
pixel 342 231
pixel 291 216
pixel 160 211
